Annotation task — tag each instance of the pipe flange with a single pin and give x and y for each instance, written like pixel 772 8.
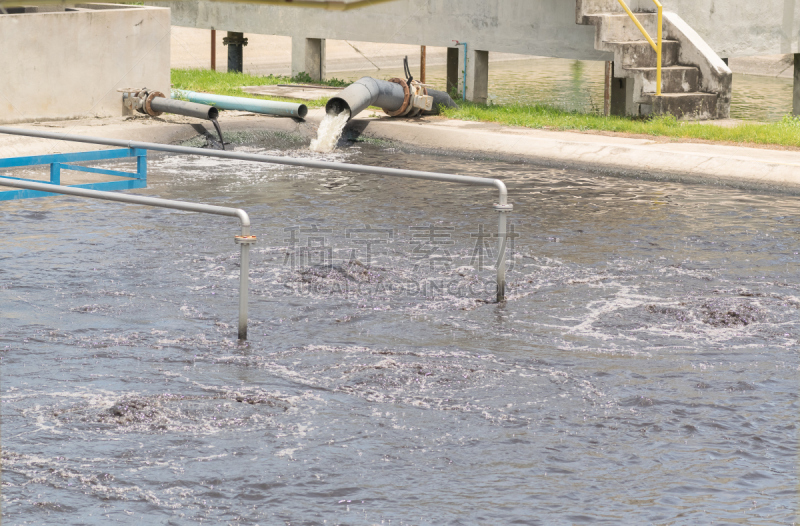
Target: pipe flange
pixel 406 99
pixel 147 108
pixel 244 240
pixel 503 208
pixel 234 41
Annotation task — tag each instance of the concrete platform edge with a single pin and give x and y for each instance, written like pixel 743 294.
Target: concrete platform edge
pixel 739 166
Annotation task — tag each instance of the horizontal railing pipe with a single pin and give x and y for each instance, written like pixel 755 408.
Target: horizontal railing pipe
pixel 291 161
pixel 244 221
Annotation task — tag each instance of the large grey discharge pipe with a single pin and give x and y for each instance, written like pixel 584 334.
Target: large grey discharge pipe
pixel 388 96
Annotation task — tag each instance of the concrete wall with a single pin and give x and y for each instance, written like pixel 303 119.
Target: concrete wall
pixel 733 28
pixel 69 64
pixel 532 27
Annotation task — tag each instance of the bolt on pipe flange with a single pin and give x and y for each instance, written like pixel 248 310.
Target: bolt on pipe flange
pixel 503 208
pixel 244 240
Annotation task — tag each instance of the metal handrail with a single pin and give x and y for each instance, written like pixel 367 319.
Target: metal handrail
pixel 502 206
pixel 657 46
pixel 245 240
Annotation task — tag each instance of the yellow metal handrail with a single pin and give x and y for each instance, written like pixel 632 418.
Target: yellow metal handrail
pixel 657 46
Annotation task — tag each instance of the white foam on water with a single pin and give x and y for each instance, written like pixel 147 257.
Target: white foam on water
pixel 330 129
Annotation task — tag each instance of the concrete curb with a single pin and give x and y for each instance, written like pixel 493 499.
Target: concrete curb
pixel 689 162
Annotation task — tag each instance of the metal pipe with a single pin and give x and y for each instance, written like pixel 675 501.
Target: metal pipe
pixel 224 102
pixel 245 239
pixel 181 107
pixel 440 98
pixel 389 96
pixel 423 63
pixel 290 161
pixel 366 92
pixel 213 50
pixel 235 42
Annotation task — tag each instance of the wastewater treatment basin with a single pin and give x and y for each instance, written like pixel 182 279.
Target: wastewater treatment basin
pixel 642 370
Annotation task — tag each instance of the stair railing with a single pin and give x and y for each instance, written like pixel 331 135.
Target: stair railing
pixel 657 46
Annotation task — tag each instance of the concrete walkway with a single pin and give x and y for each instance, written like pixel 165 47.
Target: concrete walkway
pixel 758 168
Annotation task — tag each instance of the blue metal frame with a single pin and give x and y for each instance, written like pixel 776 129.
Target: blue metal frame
pixel 58 162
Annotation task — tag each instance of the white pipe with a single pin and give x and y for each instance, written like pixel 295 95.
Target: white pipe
pixel 244 219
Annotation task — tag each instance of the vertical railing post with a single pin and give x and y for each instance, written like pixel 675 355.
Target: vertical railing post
pixel 245 240
pixel 55 173
pixel 502 234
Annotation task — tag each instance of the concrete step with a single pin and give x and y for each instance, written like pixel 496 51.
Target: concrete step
pixel 689 106
pixel 674 79
pixel 620 27
pixel 639 54
pixel 606 7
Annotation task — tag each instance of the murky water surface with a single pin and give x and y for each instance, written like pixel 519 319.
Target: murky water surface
pixel 577 85
pixel 643 371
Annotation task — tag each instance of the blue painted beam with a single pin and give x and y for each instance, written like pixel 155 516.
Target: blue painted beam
pixel 95 155
pixel 57 162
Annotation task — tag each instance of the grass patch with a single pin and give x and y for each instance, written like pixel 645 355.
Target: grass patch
pixel 219 83
pixel 784 133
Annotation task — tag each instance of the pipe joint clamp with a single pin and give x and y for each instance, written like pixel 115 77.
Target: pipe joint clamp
pixel 139 100
pixel 234 41
pixel 244 240
pixel 503 209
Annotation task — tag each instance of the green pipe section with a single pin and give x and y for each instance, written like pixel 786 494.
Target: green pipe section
pixel 225 102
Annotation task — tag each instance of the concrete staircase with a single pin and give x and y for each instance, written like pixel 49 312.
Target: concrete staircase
pixel 696 83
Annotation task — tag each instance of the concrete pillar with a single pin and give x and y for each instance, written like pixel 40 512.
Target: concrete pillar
pixel 453 71
pixel 477 75
pixel 796 94
pixel 622 97
pixel 308 56
pixel 235 42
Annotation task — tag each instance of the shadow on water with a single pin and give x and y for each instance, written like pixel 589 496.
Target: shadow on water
pixel 644 369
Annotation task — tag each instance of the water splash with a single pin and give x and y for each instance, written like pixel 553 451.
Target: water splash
pixel 330 129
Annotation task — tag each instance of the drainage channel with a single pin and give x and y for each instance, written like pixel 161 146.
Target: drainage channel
pixel 502 206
